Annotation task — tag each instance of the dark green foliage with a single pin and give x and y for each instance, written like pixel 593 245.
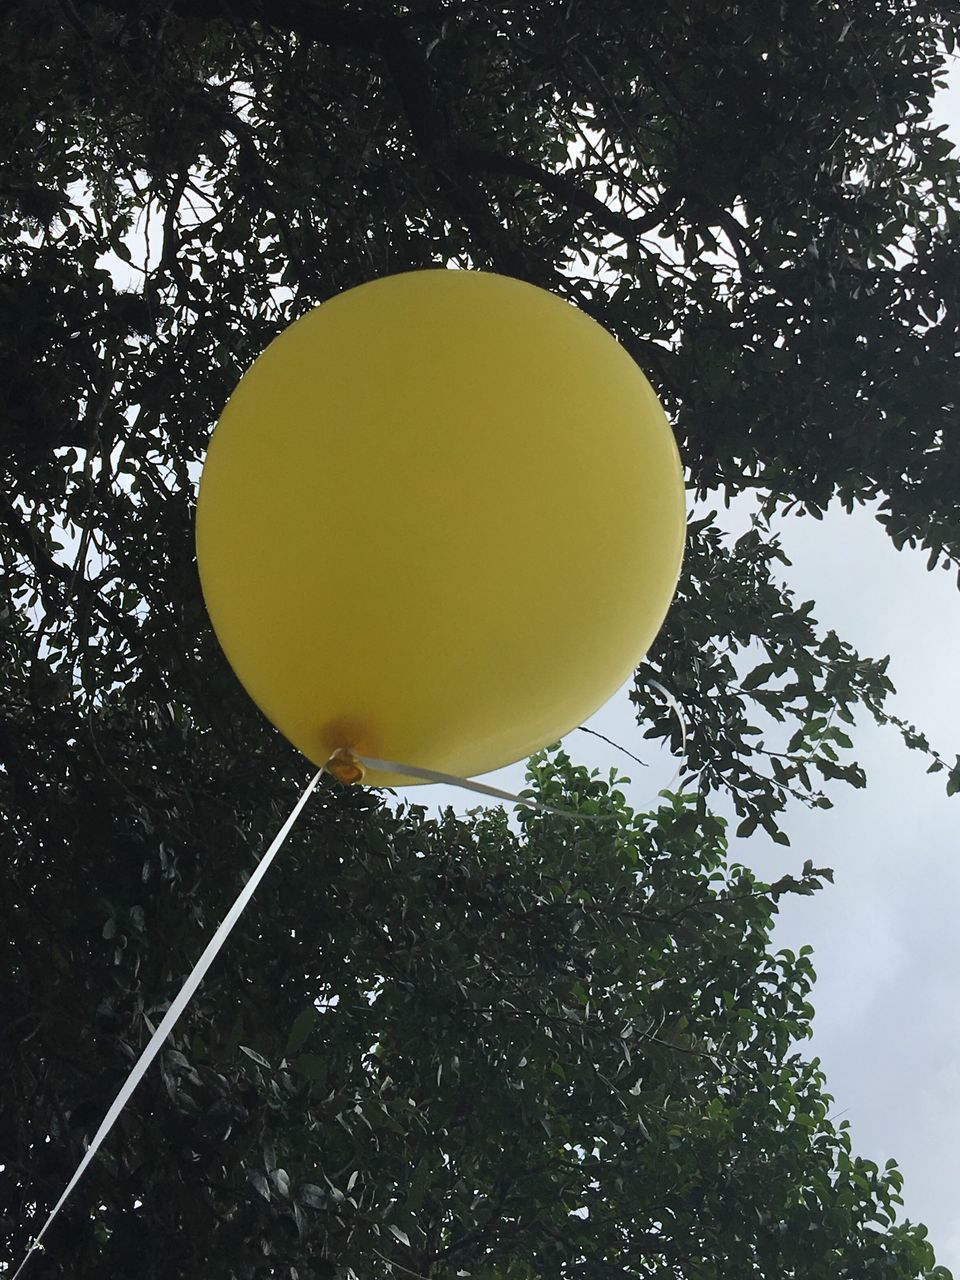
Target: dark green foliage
pixel 753 200
pixel 753 203
pixel 438 1047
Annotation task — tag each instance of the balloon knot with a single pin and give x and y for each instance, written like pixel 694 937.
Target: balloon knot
pixel 345 767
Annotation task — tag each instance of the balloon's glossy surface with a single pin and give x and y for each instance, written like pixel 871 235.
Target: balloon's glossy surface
pixel 440 521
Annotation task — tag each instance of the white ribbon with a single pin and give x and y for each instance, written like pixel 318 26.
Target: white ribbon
pixel 169 1020
pixel 468 784
pixel 681 720
pixel 186 993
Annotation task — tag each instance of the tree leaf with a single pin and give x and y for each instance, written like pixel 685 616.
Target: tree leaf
pixel 300 1031
pixel 310 1194
pixel 254 1056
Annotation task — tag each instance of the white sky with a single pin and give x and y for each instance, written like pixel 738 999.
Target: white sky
pixel 886 939
pixel 886 935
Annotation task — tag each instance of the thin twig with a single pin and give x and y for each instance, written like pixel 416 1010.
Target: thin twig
pixel 583 729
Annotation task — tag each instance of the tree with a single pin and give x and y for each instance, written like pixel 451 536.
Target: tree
pixel 437 1047
pixel 754 202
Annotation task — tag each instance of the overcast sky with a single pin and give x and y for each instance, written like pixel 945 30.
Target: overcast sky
pixel 886 935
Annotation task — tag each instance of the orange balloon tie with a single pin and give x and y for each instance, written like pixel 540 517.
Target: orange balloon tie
pixel 345 767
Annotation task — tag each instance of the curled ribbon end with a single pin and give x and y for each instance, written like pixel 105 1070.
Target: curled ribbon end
pixel 345 767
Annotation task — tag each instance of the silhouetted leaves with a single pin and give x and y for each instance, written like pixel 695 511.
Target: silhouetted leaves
pixel 442 1047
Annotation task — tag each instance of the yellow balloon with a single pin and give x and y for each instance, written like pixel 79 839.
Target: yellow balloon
pixel 440 521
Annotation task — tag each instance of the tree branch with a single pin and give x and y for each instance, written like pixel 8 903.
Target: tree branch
pixel 567 189
pixel 388 40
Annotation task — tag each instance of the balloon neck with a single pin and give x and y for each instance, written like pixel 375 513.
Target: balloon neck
pixel 345 767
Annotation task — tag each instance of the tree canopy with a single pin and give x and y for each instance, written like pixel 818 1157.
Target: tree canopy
pixel 552 1052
